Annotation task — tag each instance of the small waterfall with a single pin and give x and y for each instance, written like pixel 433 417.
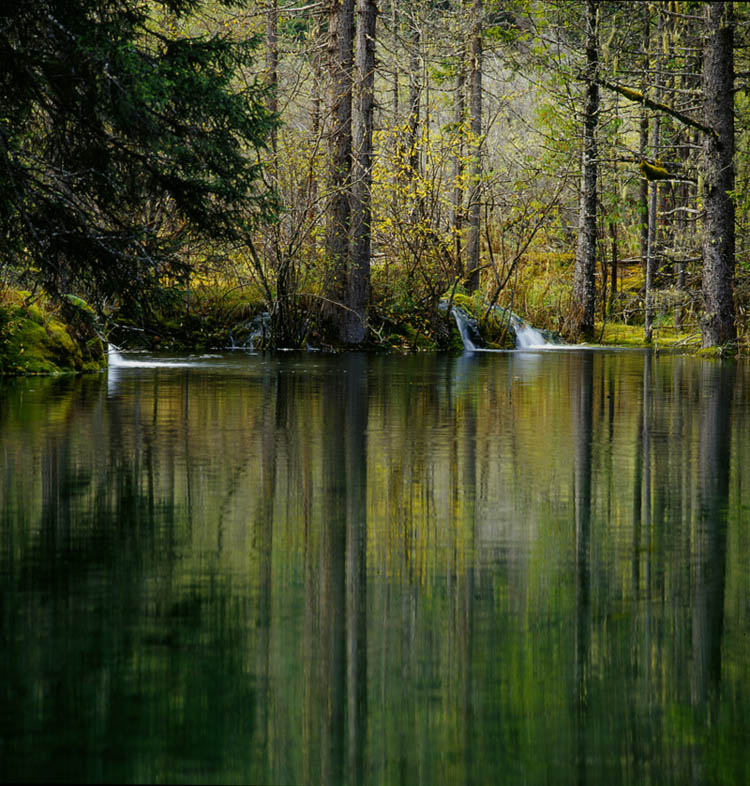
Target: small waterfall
pixel 114 358
pixel 256 333
pixel 468 329
pixel 527 337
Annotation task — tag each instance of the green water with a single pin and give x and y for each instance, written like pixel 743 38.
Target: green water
pixel 521 568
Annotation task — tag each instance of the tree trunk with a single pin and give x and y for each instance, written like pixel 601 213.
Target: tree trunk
pixel 584 289
pixel 340 40
pixel 718 325
pixel 653 191
pixel 613 265
pixel 643 140
pixel 272 61
pixel 475 111
pixel 651 237
pixel 412 122
pixel 457 204
pixel 394 76
pixel 457 199
pixel 359 275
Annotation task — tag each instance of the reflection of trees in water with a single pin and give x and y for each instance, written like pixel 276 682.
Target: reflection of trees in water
pixel 234 558
pixel 582 396
pixel 710 532
pixel 335 631
pixel 109 654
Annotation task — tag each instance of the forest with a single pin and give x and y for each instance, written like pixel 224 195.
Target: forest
pixel 338 174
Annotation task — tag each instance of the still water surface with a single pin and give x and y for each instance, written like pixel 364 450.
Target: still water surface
pixel 521 568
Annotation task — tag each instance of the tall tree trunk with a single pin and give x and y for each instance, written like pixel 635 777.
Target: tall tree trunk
pixel 475 111
pixel 315 116
pixel 359 275
pixel 340 40
pixel 584 288
pixel 272 61
pixel 412 122
pixel 653 193
pixel 457 201
pixel 718 326
pixel 643 139
pixel 394 76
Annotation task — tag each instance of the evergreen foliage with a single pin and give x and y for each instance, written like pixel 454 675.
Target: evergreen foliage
pixel 120 139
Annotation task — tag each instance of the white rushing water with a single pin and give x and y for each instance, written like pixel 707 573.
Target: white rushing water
pixel 116 360
pixel 463 329
pixel 528 337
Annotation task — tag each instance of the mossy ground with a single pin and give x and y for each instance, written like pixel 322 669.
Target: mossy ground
pixel 35 339
pixel 664 337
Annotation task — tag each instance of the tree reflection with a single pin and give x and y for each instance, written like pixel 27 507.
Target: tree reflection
pixel 710 538
pixel 341 649
pixel 582 397
pixel 196 575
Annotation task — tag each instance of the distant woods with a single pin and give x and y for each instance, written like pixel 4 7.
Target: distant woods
pixel 350 163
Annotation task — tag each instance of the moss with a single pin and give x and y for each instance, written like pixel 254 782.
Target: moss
pixel 34 313
pixel 417 339
pixel 664 337
pixel 465 302
pixel 634 95
pixel 654 171
pixel 34 343
pixel 724 351
pixel 206 317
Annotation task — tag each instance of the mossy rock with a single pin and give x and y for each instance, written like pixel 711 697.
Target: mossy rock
pixel 32 343
pixel 467 303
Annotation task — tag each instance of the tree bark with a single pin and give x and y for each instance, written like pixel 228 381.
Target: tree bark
pixel 394 76
pixel 653 189
pixel 584 289
pixel 355 326
pixel 340 40
pixel 412 122
pixel 475 111
pixel 457 203
pixel 272 61
pixel 718 325
pixel 643 140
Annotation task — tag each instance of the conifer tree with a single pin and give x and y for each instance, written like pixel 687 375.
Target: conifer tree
pixel 121 137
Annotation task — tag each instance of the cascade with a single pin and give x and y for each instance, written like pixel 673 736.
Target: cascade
pixel 468 328
pixel 114 358
pixel 527 337
pixel 257 331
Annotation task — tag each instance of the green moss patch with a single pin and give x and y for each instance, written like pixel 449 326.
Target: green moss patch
pixel 34 343
pixel 664 337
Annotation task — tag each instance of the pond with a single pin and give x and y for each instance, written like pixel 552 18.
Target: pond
pixel 518 568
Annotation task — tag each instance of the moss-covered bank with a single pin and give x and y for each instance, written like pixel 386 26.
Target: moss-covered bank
pixel 36 340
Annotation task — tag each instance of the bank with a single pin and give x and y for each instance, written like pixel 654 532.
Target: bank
pixel 37 338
